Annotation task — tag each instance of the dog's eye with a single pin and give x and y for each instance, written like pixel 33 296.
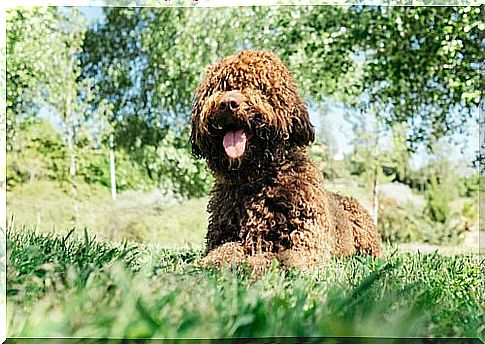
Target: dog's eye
pixel 224 85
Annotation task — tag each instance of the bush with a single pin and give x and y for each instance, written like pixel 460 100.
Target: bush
pixel 179 170
pixel 469 186
pixel 40 153
pixel 401 224
pixel 43 156
pixel 438 198
pixel 325 163
pixel 437 233
pixel 396 223
pixel 358 163
pixel 468 214
pixel 93 167
pixel 172 166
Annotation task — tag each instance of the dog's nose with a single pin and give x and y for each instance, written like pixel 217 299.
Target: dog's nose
pixel 230 102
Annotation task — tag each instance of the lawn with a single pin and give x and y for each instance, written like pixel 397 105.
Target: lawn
pixel 135 216
pixel 74 285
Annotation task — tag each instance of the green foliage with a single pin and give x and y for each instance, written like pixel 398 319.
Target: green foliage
pixel 191 177
pixel 399 157
pixel 146 150
pixel 42 71
pixel 407 223
pixel 368 156
pixel 436 224
pixel 133 75
pixel 321 155
pixel 160 81
pixel 27 62
pixel 421 65
pixel 171 165
pixel 387 58
pixel 99 290
pixel 93 168
pixel 414 65
pixel 469 186
pixel 314 41
pixel 438 201
pixel 468 214
pixel 439 233
pixel 397 223
pixel 40 153
pixel 359 163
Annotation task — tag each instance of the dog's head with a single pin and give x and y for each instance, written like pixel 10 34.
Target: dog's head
pixel 245 111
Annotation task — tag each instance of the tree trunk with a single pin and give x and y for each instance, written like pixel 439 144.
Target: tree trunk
pixel 375 205
pixel 377 167
pixel 112 166
pixel 71 153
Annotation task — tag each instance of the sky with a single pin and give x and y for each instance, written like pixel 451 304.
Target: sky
pixel 93 14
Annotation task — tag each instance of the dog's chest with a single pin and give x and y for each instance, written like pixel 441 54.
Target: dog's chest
pixel 259 213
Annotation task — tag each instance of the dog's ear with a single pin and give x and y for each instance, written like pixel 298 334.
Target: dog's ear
pixel 195 125
pixel 196 151
pixel 302 132
pixel 194 142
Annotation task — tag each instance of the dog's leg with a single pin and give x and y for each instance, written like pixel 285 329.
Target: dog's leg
pixel 367 240
pixel 366 237
pixel 260 262
pixel 230 253
pixel 310 248
pixel 303 260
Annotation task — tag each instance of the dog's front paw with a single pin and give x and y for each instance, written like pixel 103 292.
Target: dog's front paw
pixel 301 260
pixel 260 262
pixel 230 253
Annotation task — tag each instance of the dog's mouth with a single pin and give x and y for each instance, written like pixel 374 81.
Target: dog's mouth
pixel 236 136
pixel 235 142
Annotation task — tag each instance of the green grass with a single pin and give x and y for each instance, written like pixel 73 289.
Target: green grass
pixel 78 286
pixel 135 216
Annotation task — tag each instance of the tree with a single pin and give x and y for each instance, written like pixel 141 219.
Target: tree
pixel 146 83
pixel 65 93
pixel 54 36
pixel 422 66
pixel 136 67
pixel 414 65
pixel 418 66
pixel 27 61
pixel 369 154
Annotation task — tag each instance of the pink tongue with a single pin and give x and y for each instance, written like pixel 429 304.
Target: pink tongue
pixel 235 143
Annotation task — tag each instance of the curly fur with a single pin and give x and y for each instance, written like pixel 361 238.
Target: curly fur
pixel 268 204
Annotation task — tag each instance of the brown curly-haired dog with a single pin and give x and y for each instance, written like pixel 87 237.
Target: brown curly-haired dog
pixel 252 127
